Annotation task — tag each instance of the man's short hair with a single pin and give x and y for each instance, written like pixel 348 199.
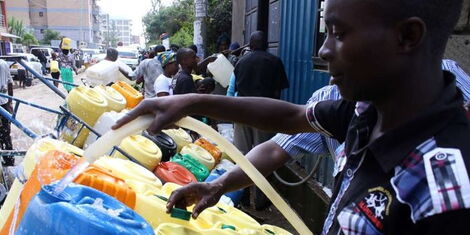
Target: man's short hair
pixel 183 53
pixel 194 48
pixel 158 49
pixel 258 41
pixel 440 17
pixel 112 54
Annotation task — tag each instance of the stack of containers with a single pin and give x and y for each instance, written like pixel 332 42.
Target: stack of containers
pixel 131 187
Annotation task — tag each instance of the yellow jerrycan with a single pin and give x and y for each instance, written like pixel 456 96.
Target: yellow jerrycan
pixel 141 149
pixel 128 170
pixel 88 105
pixel 116 101
pixel 180 136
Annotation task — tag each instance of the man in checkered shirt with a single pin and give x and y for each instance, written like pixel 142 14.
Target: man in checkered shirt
pixel 407 153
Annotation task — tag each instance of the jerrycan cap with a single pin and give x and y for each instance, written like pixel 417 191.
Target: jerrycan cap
pixel 227 226
pixel 180 214
pixel 48 195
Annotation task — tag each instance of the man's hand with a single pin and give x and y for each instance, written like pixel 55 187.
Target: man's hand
pixel 211 58
pixel 204 195
pixel 467 106
pixel 167 110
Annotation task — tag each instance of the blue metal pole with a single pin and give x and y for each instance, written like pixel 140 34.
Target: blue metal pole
pixel 41 78
pixel 30 104
pixel 10 118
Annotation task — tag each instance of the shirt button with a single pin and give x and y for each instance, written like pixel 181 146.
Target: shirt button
pixel 349 172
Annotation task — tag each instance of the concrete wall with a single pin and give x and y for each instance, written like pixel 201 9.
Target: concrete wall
pixel 458 47
pixel 18 9
pixel 238 21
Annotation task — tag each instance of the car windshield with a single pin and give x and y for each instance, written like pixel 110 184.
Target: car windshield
pixel 127 54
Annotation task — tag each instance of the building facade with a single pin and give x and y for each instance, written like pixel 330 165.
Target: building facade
pixel 5 37
pixel 123 28
pixel 76 19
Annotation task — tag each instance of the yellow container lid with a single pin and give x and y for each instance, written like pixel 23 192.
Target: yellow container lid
pixel 200 154
pixel 180 136
pixel 116 101
pixel 128 170
pixel 145 151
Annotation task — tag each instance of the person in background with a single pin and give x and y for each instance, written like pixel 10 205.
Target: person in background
pixel 163 84
pixel 55 72
pixel 260 74
pixel 205 86
pixel 6 87
pixel 67 65
pixel 194 48
pixel 174 48
pixel 149 70
pixel 183 81
pixel 233 56
pixel 42 58
pixel 111 54
pixel 222 44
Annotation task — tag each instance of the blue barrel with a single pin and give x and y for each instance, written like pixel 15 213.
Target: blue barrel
pixel 218 171
pixel 80 210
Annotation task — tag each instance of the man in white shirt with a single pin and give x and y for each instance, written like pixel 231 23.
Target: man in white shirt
pixel 163 84
pixel 6 87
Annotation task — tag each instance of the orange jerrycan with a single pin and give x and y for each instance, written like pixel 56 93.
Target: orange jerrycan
pixel 102 180
pixel 133 97
pixel 51 167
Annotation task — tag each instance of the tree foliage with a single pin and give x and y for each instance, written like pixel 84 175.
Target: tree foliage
pixel 219 21
pixel 169 20
pixel 177 20
pixel 16 27
pixel 29 39
pixel 50 35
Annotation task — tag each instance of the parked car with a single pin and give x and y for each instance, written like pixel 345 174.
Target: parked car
pixel 128 57
pixel 30 59
pixel 47 51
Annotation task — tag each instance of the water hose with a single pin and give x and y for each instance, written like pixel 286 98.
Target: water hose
pixel 101 147
pixel 312 172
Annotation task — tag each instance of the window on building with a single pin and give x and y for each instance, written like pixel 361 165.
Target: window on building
pixel 41 14
pixel 320 36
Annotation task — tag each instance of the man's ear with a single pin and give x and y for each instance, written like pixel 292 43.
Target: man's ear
pixel 411 33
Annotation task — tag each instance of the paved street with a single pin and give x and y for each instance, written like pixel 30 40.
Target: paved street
pixel 41 122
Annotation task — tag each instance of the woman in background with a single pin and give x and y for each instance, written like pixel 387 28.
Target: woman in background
pixel 67 63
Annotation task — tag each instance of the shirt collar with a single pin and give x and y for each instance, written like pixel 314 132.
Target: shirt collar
pixel 390 149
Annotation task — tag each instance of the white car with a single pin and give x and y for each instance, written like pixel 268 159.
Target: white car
pixel 31 60
pixel 129 58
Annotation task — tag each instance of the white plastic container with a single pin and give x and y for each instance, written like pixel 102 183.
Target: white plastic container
pixel 103 125
pixel 126 68
pixel 221 68
pixel 102 73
